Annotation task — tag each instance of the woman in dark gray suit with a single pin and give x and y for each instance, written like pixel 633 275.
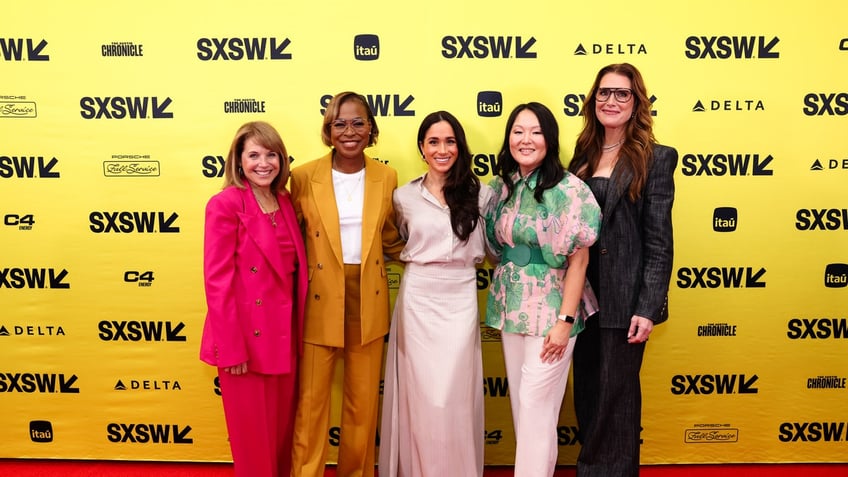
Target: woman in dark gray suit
pixel 632 178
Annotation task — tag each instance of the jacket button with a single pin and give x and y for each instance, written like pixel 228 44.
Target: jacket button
pixel 258 301
pixel 317 233
pixel 256 332
pixel 317 296
pixel 252 269
pixel 378 292
pixel 603 251
pixel 320 266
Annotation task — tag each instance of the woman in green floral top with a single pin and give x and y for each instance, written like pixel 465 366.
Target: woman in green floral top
pixel 541 221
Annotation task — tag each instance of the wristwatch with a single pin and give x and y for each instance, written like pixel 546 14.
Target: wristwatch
pixel 566 318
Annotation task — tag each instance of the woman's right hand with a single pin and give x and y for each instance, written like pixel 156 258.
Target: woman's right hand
pixel 237 370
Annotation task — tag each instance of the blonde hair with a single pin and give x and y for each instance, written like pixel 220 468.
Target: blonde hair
pixel 266 136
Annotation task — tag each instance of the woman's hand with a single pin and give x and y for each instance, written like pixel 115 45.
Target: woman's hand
pixel 556 342
pixel 237 370
pixel 640 328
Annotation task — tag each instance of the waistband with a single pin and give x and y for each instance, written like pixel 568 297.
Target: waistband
pixel 522 255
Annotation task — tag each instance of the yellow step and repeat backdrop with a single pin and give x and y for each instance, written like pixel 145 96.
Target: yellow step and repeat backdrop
pixel 115 118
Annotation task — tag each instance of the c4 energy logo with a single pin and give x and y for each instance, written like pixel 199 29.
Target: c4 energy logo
pixel 729 164
pixel 33 278
pixel 381 104
pixel 23 49
pixel 366 47
pixel 148 433
pixel 28 167
pixel 489 104
pixel 813 432
pixel 836 275
pixel 821 219
pixel 612 49
pixel 235 49
pixel 133 222
pixel 21 221
pixel 826 104
pixel 140 331
pixel 480 47
pixel 125 107
pixel 817 328
pixel 724 219
pixel 714 384
pixel 144 279
pixel 720 277
pixel 38 383
pixel 731 47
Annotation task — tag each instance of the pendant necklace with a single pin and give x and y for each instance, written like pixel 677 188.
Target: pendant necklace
pixel 271 215
pixel 348 192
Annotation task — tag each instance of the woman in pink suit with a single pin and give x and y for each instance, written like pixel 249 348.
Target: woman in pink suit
pixel 255 277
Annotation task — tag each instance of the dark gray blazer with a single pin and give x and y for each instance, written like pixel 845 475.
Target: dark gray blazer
pixel 636 245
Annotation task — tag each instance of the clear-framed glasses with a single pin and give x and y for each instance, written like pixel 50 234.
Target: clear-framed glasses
pixel 621 95
pixel 357 124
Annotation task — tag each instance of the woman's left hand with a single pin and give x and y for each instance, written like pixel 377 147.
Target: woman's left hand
pixel 556 342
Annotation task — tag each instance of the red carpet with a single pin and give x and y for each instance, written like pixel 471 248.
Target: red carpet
pixel 65 468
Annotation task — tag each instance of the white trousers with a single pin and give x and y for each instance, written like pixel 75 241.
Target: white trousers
pixel 536 390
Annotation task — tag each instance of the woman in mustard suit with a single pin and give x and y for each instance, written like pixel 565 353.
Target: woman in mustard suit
pixel 255 278
pixel 344 203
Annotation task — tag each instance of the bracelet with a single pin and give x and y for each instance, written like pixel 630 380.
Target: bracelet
pixel 566 318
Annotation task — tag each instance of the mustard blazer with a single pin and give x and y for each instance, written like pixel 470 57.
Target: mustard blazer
pixel 315 205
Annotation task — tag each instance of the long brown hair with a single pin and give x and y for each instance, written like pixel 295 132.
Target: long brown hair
pixel 636 150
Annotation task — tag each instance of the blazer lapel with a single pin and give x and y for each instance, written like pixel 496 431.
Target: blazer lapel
pixel 619 182
pixel 371 203
pixel 263 236
pixel 325 201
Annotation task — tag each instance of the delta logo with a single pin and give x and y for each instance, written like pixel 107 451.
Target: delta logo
pixel 489 104
pixel 243 49
pixel 23 49
pixel 366 47
pixel 731 47
pixel 724 219
pixel 829 164
pixel 611 49
pixel 148 385
pixel 729 105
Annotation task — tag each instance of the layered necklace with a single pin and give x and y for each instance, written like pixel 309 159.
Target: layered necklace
pixel 272 215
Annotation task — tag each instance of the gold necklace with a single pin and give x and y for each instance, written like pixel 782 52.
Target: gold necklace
pixel 349 192
pixel 612 146
pixel 271 215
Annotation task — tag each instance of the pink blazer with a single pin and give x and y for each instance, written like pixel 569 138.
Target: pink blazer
pixel 250 302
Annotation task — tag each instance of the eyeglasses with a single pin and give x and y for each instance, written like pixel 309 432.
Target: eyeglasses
pixel 357 124
pixel 621 95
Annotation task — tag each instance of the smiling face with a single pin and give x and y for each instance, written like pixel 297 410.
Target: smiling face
pixel 613 114
pixel 260 165
pixel 439 148
pixel 350 135
pixel 527 142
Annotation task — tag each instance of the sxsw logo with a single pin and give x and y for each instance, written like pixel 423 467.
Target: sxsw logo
pixel 830 104
pixel 33 278
pixel 23 49
pixel 817 328
pixel 148 433
pixel 479 47
pixel 41 431
pixel 380 104
pixel 489 104
pixel 821 219
pixel 366 47
pixel 38 383
pixel 235 49
pixel 720 277
pixel 125 107
pixel 28 167
pixel 731 47
pixel 140 331
pixel 132 221
pixel 714 384
pixel 724 219
pixel 740 164
pixel 836 275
